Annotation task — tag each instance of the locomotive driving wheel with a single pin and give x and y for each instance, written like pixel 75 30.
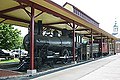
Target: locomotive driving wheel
pixel 66 55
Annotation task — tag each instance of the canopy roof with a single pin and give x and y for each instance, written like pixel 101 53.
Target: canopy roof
pixel 17 12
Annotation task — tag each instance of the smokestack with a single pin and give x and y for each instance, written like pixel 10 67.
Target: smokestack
pixel 38 28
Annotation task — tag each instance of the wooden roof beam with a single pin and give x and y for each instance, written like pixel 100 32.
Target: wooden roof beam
pixel 93 34
pixel 55 23
pixel 13 8
pixel 13 18
pixel 41 8
pixel 3 20
pixel 96 38
pixel 99 36
pixel 52 27
pixel 81 29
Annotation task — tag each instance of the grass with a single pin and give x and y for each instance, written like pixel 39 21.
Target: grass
pixel 9 61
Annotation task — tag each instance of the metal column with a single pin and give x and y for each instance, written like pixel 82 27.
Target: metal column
pixel 81 47
pixel 114 47
pixel 73 47
pixel 91 47
pixel 112 50
pixel 101 45
pixel 107 44
pixel 32 39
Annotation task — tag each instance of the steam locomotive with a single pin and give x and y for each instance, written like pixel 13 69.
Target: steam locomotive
pixel 49 48
pixel 53 46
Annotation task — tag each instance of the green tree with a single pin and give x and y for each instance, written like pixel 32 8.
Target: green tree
pixel 9 37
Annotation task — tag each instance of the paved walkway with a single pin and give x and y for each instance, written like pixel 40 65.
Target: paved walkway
pixel 6 73
pixel 103 69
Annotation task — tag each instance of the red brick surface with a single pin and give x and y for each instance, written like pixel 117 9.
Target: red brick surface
pixel 5 73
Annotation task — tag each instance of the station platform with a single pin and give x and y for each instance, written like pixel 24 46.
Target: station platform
pixel 107 68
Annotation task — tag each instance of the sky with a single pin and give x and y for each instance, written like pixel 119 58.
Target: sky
pixel 103 11
pixel 23 30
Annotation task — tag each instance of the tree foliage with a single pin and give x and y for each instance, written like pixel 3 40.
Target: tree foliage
pixel 9 37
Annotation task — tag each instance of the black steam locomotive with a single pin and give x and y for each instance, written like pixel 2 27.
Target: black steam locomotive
pixel 49 48
pixel 53 46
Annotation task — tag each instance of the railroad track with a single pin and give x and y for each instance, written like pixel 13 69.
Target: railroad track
pixel 8 65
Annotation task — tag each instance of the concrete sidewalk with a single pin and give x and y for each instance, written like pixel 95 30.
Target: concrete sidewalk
pixel 110 71
pixel 103 69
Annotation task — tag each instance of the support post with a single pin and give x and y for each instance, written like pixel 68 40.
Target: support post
pixel 31 71
pixel 32 39
pixel 101 44
pixel 81 48
pixel 91 47
pixel 73 47
pixel 112 44
pixel 107 44
pixel 114 47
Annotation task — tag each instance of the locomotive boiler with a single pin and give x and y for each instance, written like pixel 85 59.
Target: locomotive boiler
pixel 55 44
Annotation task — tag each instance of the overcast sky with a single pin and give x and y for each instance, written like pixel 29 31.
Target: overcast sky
pixel 103 11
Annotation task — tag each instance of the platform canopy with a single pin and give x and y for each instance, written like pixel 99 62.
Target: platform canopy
pixel 17 12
